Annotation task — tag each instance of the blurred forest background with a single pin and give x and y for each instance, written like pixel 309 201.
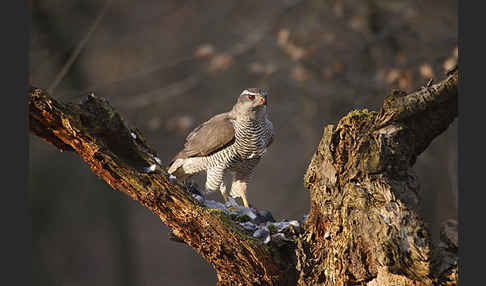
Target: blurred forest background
pixel 169 65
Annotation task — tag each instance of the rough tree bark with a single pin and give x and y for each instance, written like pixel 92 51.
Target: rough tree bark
pixel 363 227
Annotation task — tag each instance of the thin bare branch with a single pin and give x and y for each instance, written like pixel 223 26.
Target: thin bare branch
pixel 67 66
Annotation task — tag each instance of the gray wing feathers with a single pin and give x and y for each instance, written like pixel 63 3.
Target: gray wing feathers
pixel 272 133
pixel 209 137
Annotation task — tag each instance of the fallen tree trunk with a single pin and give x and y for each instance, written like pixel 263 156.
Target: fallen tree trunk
pixel 363 227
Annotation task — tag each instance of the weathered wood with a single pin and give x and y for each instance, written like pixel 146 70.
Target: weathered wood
pixel 102 139
pixel 363 227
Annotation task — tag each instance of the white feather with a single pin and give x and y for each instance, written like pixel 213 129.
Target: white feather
pixel 177 163
pixel 249 92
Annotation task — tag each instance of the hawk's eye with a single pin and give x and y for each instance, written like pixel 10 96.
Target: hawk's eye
pixel 251 97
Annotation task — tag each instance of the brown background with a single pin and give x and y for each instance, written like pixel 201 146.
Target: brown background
pixel 169 65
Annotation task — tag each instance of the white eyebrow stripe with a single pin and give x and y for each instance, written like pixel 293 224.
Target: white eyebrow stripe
pixel 249 92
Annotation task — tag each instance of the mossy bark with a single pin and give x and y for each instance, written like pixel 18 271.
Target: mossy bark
pixel 100 136
pixel 363 226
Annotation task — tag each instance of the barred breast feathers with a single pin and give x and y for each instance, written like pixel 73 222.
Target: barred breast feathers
pixel 251 140
pixel 252 137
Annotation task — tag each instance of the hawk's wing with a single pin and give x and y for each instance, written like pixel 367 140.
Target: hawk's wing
pixel 209 137
pixel 272 133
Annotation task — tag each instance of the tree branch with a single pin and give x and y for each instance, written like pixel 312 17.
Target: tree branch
pixel 119 156
pixel 363 226
pixel 427 112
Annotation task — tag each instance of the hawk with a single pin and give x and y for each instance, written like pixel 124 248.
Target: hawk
pixel 233 141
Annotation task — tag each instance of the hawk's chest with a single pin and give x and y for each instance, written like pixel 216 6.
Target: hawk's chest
pixel 251 139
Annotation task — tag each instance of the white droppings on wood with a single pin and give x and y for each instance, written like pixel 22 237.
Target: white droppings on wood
pixel 149 169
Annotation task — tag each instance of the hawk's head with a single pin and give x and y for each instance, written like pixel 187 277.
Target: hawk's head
pixel 252 102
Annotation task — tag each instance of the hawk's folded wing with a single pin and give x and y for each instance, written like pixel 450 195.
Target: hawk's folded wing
pixel 209 137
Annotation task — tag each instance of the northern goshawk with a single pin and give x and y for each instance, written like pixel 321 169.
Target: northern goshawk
pixel 233 141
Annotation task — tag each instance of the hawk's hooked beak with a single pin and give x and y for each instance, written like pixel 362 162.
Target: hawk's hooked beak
pixel 262 100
